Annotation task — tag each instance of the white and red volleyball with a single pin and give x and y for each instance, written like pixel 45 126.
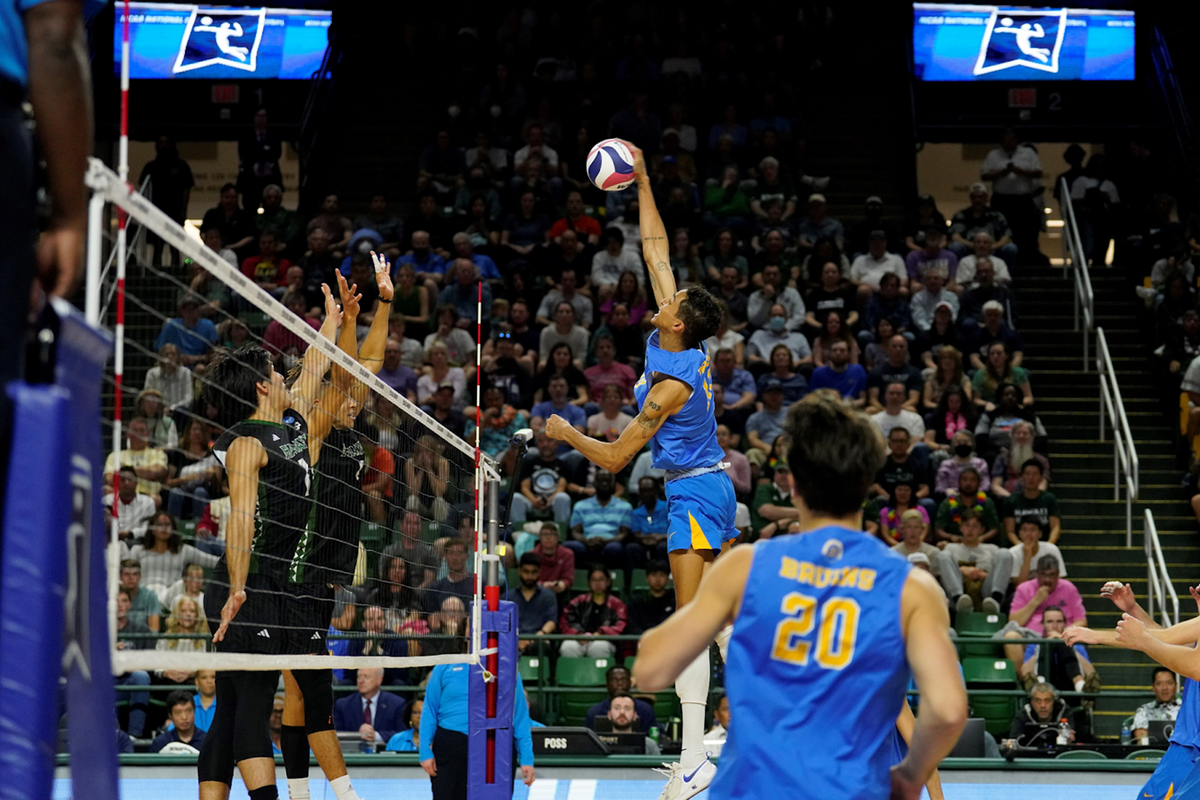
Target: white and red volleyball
pixel 610 165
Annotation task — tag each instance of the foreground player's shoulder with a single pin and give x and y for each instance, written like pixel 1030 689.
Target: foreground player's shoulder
pixel 922 598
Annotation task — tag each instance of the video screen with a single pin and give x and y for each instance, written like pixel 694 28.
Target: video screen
pixel 176 40
pixel 953 42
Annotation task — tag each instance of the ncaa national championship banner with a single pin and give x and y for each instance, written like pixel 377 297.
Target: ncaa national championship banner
pixel 953 42
pixel 171 40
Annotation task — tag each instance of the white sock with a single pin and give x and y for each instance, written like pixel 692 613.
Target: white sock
pixel 692 688
pixel 723 637
pixel 298 788
pixel 342 788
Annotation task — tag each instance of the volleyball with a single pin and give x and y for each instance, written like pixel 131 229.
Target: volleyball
pixel 610 165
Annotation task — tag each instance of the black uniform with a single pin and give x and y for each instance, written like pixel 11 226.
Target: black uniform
pixel 284 504
pixel 328 551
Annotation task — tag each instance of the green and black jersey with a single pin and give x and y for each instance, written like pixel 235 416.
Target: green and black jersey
pixel 284 490
pixel 328 550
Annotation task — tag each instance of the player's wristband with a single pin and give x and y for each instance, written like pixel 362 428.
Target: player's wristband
pixel 389 302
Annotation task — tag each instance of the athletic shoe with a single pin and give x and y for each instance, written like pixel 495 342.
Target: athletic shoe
pixel 964 604
pixel 990 606
pixel 683 785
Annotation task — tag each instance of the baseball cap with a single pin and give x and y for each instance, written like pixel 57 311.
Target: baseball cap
pixel 445 385
pixel 816 197
pixel 773 384
pixel 978 187
pixel 919 558
pixel 944 305
pixel 875 199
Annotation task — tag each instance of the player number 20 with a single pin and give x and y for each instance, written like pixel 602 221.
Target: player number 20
pixel 835 638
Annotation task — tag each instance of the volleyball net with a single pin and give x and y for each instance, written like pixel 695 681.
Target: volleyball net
pixel 384 526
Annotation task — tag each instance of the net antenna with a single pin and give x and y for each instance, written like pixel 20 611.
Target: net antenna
pixel 109 187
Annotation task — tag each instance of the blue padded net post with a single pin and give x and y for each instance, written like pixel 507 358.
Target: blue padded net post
pixel 504 623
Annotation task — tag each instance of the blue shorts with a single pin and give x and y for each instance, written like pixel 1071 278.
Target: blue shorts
pixel 701 510
pixel 1173 774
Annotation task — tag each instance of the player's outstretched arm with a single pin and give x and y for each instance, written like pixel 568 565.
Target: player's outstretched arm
pixel 244 459
pixel 664 399
pixel 656 250
pixel 665 651
pixel 316 363
pixel 370 355
pixel 934 663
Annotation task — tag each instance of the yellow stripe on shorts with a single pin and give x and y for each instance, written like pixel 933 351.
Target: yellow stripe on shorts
pixel 699 540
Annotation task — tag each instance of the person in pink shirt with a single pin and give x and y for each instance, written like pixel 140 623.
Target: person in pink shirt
pixel 1032 598
pixel 609 371
pixel 739 466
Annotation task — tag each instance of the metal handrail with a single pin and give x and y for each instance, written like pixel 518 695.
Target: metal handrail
pixel 1112 413
pixel 1076 258
pixel 1158 583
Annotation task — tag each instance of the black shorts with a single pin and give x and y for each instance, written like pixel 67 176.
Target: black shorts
pixel 256 628
pixel 307 612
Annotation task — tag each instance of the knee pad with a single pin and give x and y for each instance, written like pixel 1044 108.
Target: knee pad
pixel 317 687
pixel 692 684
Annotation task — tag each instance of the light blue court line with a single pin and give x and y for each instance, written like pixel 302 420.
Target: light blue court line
pixel 549 789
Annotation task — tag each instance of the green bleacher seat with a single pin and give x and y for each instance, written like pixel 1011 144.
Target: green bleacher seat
pixel 975 632
pixel 581 672
pixel 255 320
pixel 629 662
pixel 979 623
pixel 1149 754
pixel 991 673
pixel 530 668
pixel 186 528
pixel 1081 755
pixel 988 671
pixel 374 538
pixel 580 584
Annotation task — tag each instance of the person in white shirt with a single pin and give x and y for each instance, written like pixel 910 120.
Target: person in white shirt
pixel 1015 172
pixel 984 244
pixel 868 268
pixel 608 264
pixel 1164 706
pixel 1026 555
pixel 894 415
pixel 134 510
pixel 774 292
pixel 537 148
pixel 934 294
pixel 775 332
pixel 172 381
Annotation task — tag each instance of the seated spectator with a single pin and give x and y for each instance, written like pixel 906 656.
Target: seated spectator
pixel 1038 723
pixel 887 524
pixel 162 554
pixel 499 423
pixel 776 332
pixel 649 525
pixel 1032 599
pixel 947 369
pixel 913 530
pixel 443 401
pixel 558 404
pixel 331 220
pixel 412 351
pixel 725 204
pixel 526 231
pixel 724 254
pixel 773 242
pixel 719 731
pixel 409 740
pixel 610 420
pixel 726 291
pixel 962 449
pixel 150 463
pixel 825 251
pixel 191 586
pixel 630 293
pixel 600 525
pixel 868 269
pixel 958 504
pixel 441 372
pixel 932 255
pixel 174 384
pixel 847 379
pixel 783 369
pixel 182 714
pixel 1031 549
pixel 740 391
pixel 611 262
pixel 1164 707
pixel 772 186
pixel 622 717
pixel 896 369
pixel 463 292
pixel 997 425
pixel 134 509
pixel 279 341
pixel 766 424
pixel 191 333
pixel 933 294
pixel 771 510
pixel 607 371
pixel 451 334
pixel 982 245
pixel 734 419
pixel 617 682
pixel 374 714
pixel 739 465
pixel 953 414
pixel 542 488
pixel 395 374
pixel 459 582
pixel 558 563
pixel 651 609
pixel 586 228
pixel 1007 470
pixel 537 608
pixel 427 265
pixel 564 330
pixel 204 702
pixel 817 225
pixel 975 573
pixel 986 290
pixel 980 216
pixel 237 226
pixel 831 295
pixel 991 330
pixel 139 700
pixel 832 330
pixel 393 590
pixel 596 613
pixel 560 364
pixel 886 307
pixel 902 465
pixel 379 218
pixel 267 269
pixel 145 606
pixel 775 292
pixel 925 217
pixel 895 415
pixel 727 339
pixel 1033 501
pixel 626 336
pixel 1070 667
pixel 999 371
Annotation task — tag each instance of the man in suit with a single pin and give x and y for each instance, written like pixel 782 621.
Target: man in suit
pixel 376 715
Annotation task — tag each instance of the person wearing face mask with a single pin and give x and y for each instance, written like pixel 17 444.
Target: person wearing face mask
pixel 776 332
pixel 963 448
pixel 775 292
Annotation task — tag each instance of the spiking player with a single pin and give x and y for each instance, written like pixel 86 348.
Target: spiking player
pixel 269 483
pixel 675 396
pixel 326 554
pixel 828 626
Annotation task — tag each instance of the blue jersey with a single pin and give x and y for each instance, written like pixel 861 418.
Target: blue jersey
pixel 817 660
pixel 687 439
pixel 1187 721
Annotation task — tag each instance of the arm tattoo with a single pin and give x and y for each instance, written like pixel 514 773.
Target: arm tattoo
pixel 663 266
pixel 654 238
pixel 653 405
pixel 648 424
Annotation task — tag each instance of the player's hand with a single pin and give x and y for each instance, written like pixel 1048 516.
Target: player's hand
pixel 383 276
pixel 904 787
pixel 1077 634
pixel 1131 631
pixel 1121 594
pixel 527 774
pixel 557 427
pixel 430 767
pixel 60 256
pixel 350 297
pixel 331 306
pixel 1195 595
pixel 639 160
pixel 228 612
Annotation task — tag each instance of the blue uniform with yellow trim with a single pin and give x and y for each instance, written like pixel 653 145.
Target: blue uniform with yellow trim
pixel 817 660
pixel 701 507
pixel 1177 774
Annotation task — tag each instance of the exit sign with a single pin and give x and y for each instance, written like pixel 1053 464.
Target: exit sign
pixel 1022 98
pixel 226 93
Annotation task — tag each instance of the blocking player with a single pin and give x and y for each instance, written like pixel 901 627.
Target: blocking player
pixel 269 482
pixel 328 551
pixel 820 659
pixel 675 396
pixel 1173 771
